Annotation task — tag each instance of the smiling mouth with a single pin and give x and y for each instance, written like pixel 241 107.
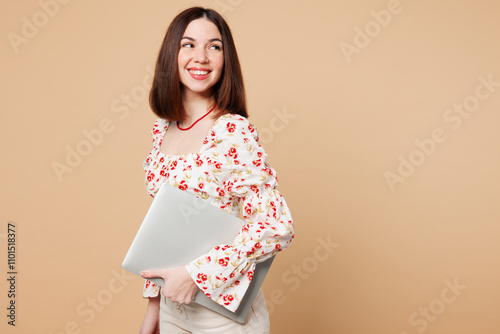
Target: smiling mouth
pixel 199 72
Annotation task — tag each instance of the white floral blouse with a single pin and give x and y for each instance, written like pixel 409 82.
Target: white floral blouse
pixel 230 172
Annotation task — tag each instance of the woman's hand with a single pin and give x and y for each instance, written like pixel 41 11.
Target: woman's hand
pixel 179 286
pixel 150 324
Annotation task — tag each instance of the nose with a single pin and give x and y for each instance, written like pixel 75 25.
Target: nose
pixel 201 55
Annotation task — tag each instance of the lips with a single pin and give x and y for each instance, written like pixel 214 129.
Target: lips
pixel 195 72
pixel 199 73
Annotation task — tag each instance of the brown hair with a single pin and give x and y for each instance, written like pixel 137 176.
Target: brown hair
pixel 165 97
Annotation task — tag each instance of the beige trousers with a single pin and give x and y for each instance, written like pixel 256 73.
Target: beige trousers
pixel 178 318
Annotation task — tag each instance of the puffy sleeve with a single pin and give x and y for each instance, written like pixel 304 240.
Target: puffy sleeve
pixel 224 273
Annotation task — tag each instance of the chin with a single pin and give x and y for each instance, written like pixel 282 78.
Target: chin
pixel 200 90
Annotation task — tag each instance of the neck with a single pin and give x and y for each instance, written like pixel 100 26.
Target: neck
pixel 196 106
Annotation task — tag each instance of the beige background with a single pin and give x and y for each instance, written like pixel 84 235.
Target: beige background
pixel 394 251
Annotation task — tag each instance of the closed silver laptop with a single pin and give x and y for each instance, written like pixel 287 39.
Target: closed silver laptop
pixel 178 228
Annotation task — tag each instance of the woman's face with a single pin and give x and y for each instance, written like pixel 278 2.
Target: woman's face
pixel 201 58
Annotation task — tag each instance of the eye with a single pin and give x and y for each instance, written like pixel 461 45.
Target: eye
pixel 187 45
pixel 215 47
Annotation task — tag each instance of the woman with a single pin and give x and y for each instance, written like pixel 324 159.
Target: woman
pixel 204 144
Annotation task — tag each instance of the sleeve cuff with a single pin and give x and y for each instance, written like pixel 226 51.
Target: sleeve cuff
pixel 150 289
pixel 225 285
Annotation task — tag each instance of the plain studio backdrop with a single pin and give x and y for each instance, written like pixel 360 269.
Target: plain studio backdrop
pixel 380 117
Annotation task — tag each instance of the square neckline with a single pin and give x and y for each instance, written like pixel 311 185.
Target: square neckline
pixel 205 139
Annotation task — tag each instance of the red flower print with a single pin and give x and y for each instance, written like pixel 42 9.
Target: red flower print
pixel 248 208
pixel 201 185
pixel 250 275
pixel 231 275
pixel 217 247
pixel 268 171
pixel 201 278
pixel 230 127
pixel 183 185
pixel 218 165
pixel 162 159
pixel 259 154
pixel 221 191
pixel 151 176
pixel 231 152
pixel 278 246
pixel 227 299
pixel 236 282
pixel 254 188
pixel 258 245
pixel 224 261
pixel 257 163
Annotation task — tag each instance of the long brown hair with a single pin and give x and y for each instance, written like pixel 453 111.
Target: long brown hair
pixel 165 97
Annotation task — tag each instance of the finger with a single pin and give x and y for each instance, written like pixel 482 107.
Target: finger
pixel 186 298
pixel 173 296
pixel 189 301
pixel 150 273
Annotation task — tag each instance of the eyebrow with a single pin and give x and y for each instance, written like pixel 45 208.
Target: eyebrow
pixel 210 40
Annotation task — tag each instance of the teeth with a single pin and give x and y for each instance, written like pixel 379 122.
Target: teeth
pixel 199 72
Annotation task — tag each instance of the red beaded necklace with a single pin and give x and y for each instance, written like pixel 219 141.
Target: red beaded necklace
pixel 199 119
